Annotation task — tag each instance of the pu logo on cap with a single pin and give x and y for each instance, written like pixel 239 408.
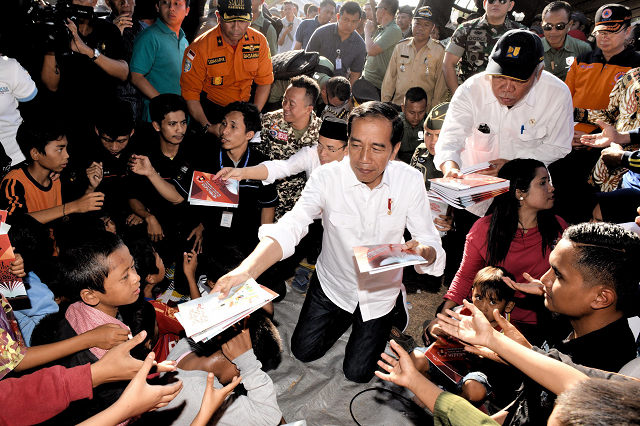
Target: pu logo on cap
pixel 236 4
pixel 606 14
pixel 513 52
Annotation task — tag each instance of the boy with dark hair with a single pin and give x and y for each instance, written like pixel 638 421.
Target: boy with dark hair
pixel 414 111
pixel 30 189
pixel 100 277
pixel 31 239
pixel 164 172
pixel 338 94
pixel 489 292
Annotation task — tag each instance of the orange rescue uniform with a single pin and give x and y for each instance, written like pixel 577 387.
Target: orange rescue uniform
pixel 591 79
pixel 225 73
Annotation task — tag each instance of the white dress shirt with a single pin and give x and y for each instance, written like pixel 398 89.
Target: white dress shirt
pixel 289 41
pixel 355 215
pixel 15 86
pixel 540 126
pixel 305 160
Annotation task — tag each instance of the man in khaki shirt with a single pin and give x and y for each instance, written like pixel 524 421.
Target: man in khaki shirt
pixel 416 62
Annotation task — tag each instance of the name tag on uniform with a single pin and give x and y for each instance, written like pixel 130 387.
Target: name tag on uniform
pixel 227 217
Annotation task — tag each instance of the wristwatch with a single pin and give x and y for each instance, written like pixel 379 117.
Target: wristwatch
pixel 205 128
pixel 96 55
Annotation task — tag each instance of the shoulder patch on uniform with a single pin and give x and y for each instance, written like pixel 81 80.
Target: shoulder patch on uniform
pixel 246 36
pixel 191 54
pixel 187 65
pixel 218 60
pixel 219 41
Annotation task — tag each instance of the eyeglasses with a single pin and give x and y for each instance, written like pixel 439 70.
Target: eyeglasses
pixel 322 147
pixel 501 1
pixel 561 26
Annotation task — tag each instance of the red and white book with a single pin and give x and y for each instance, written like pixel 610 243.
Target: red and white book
pixel 449 356
pixel 11 286
pixel 208 316
pixel 385 257
pixel 207 191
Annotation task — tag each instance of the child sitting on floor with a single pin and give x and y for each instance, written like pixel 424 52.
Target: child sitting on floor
pixel 489 292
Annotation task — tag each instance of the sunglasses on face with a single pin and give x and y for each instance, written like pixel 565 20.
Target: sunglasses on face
pixel 561 26
pixel 501 1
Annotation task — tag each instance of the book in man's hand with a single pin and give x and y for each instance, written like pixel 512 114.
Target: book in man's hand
pixel 468 190
pixel 385 257
pixel 208 316
pixel 207 191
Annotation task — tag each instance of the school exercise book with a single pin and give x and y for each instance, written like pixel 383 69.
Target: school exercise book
pixel 468 190
pixel 449 356
pixel 207 191
pixel 11 287
pixel 208 316
pixel 384 257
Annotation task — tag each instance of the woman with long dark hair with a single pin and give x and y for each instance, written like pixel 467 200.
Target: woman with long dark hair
pixel 518 234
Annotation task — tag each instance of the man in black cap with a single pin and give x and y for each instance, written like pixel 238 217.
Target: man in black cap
pixel 514 109
pixel 223 63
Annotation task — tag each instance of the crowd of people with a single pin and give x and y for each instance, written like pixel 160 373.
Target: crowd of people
pixel 332 119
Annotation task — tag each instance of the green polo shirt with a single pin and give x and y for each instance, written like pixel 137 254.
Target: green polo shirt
pixel 157 55
pixel 558 61
pixel 411 138
pixel 375 67
pixel 271 35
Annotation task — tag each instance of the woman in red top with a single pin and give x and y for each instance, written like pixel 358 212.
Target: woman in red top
pixel 518 234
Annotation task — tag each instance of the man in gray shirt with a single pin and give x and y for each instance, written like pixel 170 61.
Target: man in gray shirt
pixel 236 358
pixel 341 44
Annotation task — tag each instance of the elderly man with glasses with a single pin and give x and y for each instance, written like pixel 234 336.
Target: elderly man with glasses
pixel 473 42
pixel 560 49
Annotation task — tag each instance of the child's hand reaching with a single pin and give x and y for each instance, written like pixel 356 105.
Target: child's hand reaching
pixel 213 399
pixel 106 336
pixel 190 263
pixel 239 344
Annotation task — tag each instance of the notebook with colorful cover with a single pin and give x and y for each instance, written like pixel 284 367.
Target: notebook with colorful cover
pixel 11 286
pixel 208 316
pixel 207 191
pixel 385 257
pixel 449 356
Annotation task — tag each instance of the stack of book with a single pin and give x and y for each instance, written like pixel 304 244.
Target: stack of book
pixel 208 316
pixel 207 191
pixel 466 191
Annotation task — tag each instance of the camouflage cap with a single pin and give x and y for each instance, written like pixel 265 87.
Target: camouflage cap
pixel 435 119
pixel 406 9
pixel 235 10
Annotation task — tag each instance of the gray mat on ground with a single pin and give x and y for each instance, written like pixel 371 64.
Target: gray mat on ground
pixel 319 393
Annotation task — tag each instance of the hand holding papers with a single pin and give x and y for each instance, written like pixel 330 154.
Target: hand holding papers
pixel 209 316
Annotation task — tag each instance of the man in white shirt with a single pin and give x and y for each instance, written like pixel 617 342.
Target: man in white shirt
pixel 514 109
pixel 290 24
pixel 364 201
pixel 16 86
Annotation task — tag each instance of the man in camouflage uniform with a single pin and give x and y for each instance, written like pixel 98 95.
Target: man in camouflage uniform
pixel 473 42
pixel 423 156
pixel 287 131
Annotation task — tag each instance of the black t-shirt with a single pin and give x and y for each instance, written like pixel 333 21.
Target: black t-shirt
pixel 253 197
pixel 74 178
pixel 84 86
pixel 608 349
pixel 177 171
